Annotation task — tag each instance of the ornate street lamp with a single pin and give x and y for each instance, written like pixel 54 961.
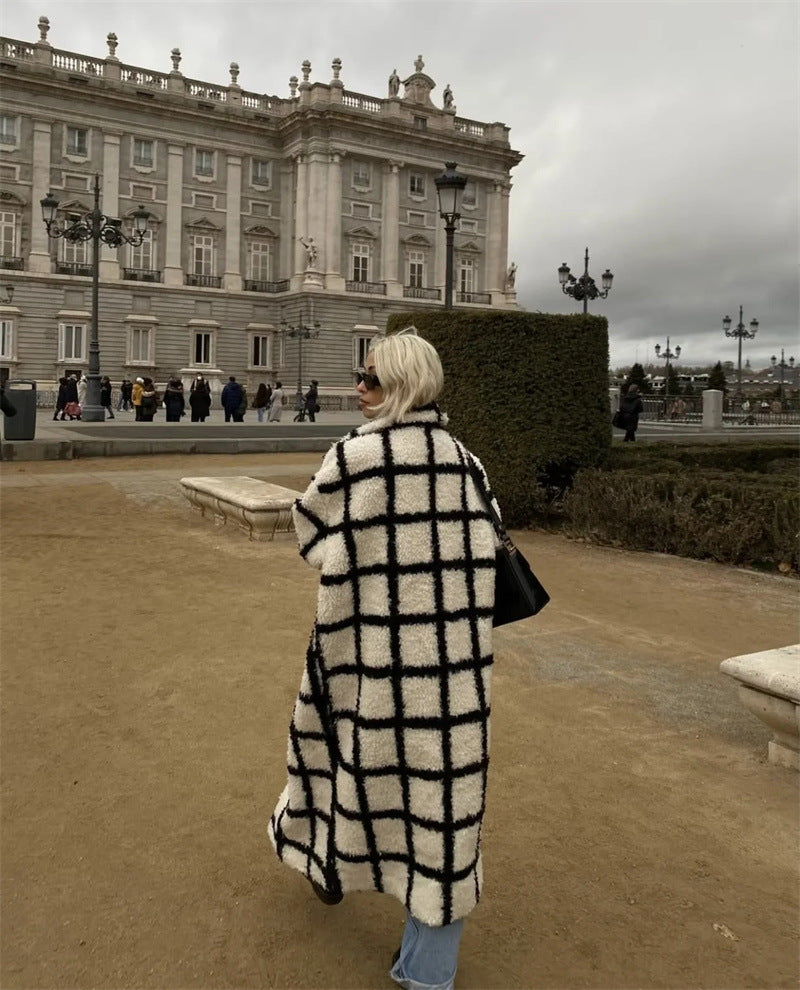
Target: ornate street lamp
pixel 668 355
pixel 584 287
pixel 449 186
pixel 783 365
pixel 740 331
pixel 300 332
pixel 94 227
pixel 9 296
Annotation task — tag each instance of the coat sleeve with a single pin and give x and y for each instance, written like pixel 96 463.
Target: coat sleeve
pixel 315 513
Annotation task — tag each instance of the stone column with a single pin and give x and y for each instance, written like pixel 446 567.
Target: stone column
pixel 317 206
pixel 286 263
pixel 173 269
pixel 232 278
pixel 109 203
pixel 39 256
pixel 712 409
pixel 505 194
pixel 495 273
pixel 333 228
pixel 300 219
pixel 390 230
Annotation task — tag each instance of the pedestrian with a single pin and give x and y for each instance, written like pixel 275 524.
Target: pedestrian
pixel 149 400
pixel 299 405
pixel 72 406
pixel 276 404
pixel 61 398
pixel 105 395
pixel 199 400
pixel 776 407
pixel 231 398
pixel 83 391
pixel 311 405
pixel 261 401
pixel 174 402
pixel 389 756
pixel 630 406
pixel 125 391
pixel 136 399
pixel 238 416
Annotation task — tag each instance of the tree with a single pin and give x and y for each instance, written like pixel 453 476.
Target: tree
pixel 638 377
pixel 717 379
pixel 673 385
pixel 689 390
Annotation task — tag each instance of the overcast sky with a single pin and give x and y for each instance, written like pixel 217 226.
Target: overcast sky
pixel 663 136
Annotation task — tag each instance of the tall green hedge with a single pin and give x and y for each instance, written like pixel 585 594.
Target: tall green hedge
pixel 526 392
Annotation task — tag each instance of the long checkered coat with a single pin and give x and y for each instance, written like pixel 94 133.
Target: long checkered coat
pixel 389 739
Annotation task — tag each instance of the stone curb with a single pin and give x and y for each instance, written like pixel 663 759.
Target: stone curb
pixel 67 450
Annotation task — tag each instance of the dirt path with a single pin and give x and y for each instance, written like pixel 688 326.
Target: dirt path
pixel 149 666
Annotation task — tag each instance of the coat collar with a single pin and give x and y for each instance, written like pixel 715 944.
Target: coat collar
pixel 422 416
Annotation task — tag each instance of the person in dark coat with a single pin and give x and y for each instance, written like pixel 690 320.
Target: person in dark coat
pixel 238 416
pixel 149 401
pixel 61 398
pixel 231 399
pixel 311 405
pixel 630 406
pixel 125 395
pixel 105 395
pixel 261 401
pixel 174 402
pixel 200 400
pixel 71 406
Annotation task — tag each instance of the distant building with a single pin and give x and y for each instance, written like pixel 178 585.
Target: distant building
pixel 316 207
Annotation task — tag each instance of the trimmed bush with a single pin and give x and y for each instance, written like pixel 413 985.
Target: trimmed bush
pixel 527 392
pixel 730 456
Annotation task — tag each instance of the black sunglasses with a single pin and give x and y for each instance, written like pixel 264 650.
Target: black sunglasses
pixel 370 381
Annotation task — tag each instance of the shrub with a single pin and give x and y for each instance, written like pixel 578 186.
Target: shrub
pixel 527 392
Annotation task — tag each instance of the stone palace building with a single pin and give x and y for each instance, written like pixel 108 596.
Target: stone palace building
pixel 265 213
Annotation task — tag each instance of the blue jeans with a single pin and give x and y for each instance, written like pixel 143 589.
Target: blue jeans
pixel 428 956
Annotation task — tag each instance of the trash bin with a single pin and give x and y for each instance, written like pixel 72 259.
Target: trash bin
pixel 22 395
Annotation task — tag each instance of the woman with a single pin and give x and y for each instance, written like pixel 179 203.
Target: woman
pixel 261 401
pixel 200 399
pixel 83 391
pixel 136 399
pixel 61 398
pixel 149 401
pixel 174 403
pixel 630 406
pixel 388 751
pixel 276 404
pixel 105 395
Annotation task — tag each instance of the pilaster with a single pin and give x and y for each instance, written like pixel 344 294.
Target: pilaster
pixel 505 195
pixel 286 263
pixel 39 257
pixel 173 269
pixel 109 256
pixel 333 230
pixel 495 270
pixel 232 278
pixel 301 214
pixel 390 228
pixel 317 205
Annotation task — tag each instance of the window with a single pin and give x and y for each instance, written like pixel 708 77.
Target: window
pixel 261 350
pixel 361 210
pixel 417 219
pixel 466 275
pixel 75 252
pixel 361 175
pixel 8 235
pixel 416 269
pixel 142 153
pixel 260 267
pixel 143 255
pixel 202 347
pixel 77 141
pixel 420 123
pixel 203 162
pixel 72 342
pixel 468 226
pixel 361 347
pixel 360 262
pixel 262 172
pixel 416 184
pixel 202 254
pixel 470 196
pixel 139 347
pixel 7 339
pixel 8 129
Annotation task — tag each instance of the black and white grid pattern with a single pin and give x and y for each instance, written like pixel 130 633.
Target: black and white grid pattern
pixel 389 739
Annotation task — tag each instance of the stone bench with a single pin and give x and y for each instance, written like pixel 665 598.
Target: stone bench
pixel 258 508
pixel 769 687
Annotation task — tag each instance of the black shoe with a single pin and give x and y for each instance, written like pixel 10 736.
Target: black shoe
pixel 325 896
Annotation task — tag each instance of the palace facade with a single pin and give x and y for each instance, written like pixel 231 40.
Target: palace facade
pixel 265 213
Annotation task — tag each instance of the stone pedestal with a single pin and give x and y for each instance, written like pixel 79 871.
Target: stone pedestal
pixel 313 280
pixel 712 409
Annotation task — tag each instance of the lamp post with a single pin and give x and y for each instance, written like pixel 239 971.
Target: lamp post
pixel 300 332
pixel 584 287
pixel 94 227
pixel 449 186
pixel 783 365
pixel 668 355
pixel 740 331
pixel 9 296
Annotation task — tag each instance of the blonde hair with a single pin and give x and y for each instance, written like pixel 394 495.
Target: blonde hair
pixel 410 373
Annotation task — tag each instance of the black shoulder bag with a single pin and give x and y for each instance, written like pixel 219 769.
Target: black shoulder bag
pixel 518 593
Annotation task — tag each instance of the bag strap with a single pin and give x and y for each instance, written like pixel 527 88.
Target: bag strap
pixel 480 484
